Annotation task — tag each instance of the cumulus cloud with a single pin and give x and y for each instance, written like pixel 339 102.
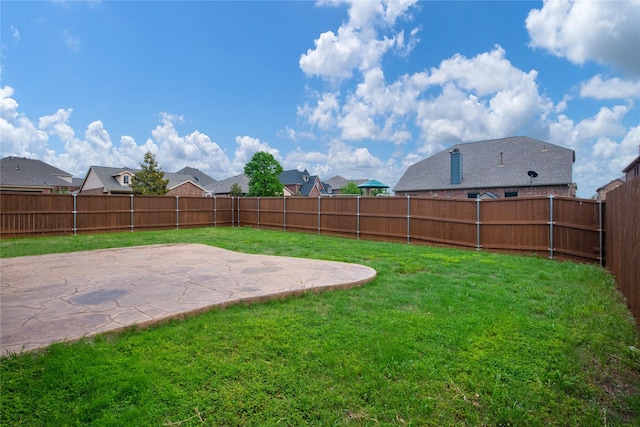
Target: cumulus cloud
pixel 20 137
pixel 606 123
pixel 357 43
pixel 342 159
pixel 603 144
pixel 247 147
pixel 614 88
pixel 606 32
pixel 463 99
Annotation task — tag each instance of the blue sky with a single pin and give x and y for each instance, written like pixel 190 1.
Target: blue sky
pixel 362 89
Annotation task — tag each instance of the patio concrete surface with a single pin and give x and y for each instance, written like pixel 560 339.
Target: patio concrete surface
pixel 64 297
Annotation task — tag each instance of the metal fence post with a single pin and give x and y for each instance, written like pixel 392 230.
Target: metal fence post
pixel 551 226
pixel 478 223
pixel 131 215
pixel 258 212
pixel 284 209
pixel 318 214
pixel 215 211
pixel 600 232
pixel 177 213
pixel 408 219
pixel 358 217
pixel 75 213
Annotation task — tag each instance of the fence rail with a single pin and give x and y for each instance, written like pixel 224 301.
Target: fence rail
pixel 559 227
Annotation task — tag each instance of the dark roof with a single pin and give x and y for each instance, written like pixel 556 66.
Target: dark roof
pixel 224 186
pixel 198 176
pixel 494 163
pixel 19 171
pixel 294 176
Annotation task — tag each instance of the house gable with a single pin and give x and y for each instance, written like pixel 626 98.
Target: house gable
pixel 107 180
pixel 502 163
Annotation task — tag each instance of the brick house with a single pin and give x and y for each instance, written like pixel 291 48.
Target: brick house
pixel 108 180
pixel 633 169
pixel 601 193
pixel 302 184
pixel 506 167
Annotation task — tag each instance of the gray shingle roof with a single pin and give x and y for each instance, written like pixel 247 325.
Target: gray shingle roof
pixel 294 176
pixel 107 177
pixel 495 163
pixel 19 171
pixel 198 176
pixel 338 181
pixel 224 186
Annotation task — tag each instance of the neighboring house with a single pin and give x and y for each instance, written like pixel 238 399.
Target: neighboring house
pixel 337 182
pixel 507 167
pixel 223 187
pixel 107 180
pixel 302 184
pixel 199 177
pixel 601 193
pixel 34 176
pixel 633 170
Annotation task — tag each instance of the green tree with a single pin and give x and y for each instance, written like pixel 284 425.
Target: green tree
pixel 264 172
pixel 150 180
pixel 350 188
pixel 235 191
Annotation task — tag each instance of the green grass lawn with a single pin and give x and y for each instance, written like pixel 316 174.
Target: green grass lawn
pixel 441 337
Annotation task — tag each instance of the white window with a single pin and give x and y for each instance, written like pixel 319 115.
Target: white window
pixel 125 179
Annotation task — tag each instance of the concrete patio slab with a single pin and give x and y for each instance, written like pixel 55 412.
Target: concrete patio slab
pixel 64 297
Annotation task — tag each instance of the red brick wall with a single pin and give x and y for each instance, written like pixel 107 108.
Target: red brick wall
pixel 557 190
pixel 186 189
pixel 93 191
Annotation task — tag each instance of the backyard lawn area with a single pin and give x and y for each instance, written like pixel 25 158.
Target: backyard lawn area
pixel 441 337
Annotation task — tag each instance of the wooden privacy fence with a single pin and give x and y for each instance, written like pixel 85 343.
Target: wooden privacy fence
pixel 52 214
pixel 559 227
pixel 623 241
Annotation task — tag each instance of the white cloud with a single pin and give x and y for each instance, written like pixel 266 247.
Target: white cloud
pixel 20 137
pixel 15 34
pixel 323 114
pixel 604 146
pixel 480 97
pixel 247 147
pixel 614 88
pixel 606 123
pixel 357 45
pixel 71 41
pixel 195 149
pixel 606 32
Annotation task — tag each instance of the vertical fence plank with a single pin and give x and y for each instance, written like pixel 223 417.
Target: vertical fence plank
pixel 623 241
